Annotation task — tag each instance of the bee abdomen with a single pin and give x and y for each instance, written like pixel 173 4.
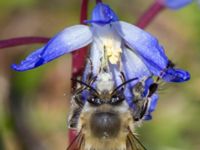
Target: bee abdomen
pixel 105 124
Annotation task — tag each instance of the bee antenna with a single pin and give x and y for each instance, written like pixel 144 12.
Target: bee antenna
pixel 85 84
pixel 123 84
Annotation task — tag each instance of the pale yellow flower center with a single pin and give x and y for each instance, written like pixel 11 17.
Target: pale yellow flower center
pixel 113 51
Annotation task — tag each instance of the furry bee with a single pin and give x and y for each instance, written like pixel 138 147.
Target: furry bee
pixel 104 121
pixel 101 114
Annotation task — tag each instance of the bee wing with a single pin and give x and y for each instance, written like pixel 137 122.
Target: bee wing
pixel 133 143
pixel 77 143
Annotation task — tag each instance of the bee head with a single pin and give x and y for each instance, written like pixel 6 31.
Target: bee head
pixel 105 93
pixel 105 120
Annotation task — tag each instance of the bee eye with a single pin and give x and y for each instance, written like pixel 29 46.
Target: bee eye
pixel 95 101
pixel 115 100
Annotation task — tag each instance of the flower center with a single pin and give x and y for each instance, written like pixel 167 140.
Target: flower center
pixel 112 50
pixel 109 42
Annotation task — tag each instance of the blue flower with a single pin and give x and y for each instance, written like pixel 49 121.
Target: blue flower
pixel 139 49
pixel 137 52
pixel 175 4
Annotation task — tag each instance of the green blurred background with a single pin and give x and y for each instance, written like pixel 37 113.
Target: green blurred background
pixel 34 104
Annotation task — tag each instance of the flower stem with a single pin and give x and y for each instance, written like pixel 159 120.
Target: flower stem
pixel 72 133
pixel 84 11
pixel 79 56
pixel 78 59
pixel 22 41
pixel 150 14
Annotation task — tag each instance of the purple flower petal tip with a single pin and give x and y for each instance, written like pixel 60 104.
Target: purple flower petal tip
pixel 153 103
pixel 15 67
pixel 24 67
pixel 102 14
pixel 176 75
pixel 147 117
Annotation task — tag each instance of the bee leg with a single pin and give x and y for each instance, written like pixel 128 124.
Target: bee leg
pixel 73 119
pixel 141 108
pixel 152 89
pixel 123 78
pixel 90 74
pixel 90 78
pixel 79 100
pixel 144 109
pixel 77 96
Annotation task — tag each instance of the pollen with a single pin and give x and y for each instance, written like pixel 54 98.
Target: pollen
pixel 113 51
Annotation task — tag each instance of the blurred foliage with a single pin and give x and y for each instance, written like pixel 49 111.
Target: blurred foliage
pixel 45 92
pixel 17 3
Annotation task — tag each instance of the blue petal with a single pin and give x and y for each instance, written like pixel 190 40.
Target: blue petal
pixel 147 117
pixel 116 74
pixel 95 60
pixel 176 75
pixel 29 62
pixel 176 4
pixel 103 14
pixel 145 45
pixel 85 95
pixel 129 96
pixel 68 40
pixel 133 65
pixel 151 53
pixel 153 103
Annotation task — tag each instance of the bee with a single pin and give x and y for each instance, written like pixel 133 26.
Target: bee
pixel 100 113
pixel 143 93
pixel 104 121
